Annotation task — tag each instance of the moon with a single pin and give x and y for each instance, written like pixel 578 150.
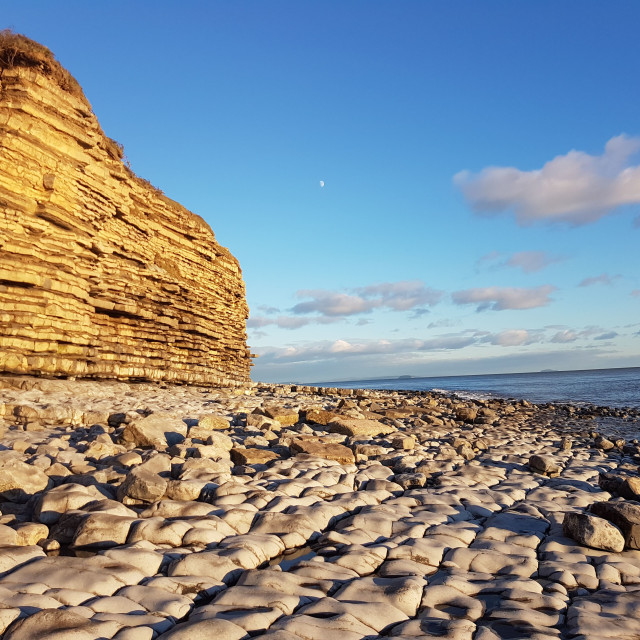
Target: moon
pixel 321 183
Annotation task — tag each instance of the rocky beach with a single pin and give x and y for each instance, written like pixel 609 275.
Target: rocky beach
pixel 140 511
pixel 150 491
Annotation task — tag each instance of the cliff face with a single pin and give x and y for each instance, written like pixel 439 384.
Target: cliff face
pixel 102 276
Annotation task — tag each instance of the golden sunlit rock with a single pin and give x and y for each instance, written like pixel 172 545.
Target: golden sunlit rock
pixel 101 275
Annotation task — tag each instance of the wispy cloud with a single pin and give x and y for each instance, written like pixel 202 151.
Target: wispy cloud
pixel 528 261
pixel 501 298
pixel 411 295
pixel 287 322
pixel 330 303
pixel 577 188
pixel 567 335
pixel 339 349
pixel 603 278
pixel 513 337
pixel 352 357
pixel 609 335
pixel 636 293
pixel 532 261
pixel 348 348
pixel 267 309
pixel 571 335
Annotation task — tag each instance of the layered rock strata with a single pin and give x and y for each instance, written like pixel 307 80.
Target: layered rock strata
pixel 101 275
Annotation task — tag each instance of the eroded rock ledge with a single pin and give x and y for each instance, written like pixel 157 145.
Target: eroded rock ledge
pixel 101 275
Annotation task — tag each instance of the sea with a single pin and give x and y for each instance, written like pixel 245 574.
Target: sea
pixel 619 388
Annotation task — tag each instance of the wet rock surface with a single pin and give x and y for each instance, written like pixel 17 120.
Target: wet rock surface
pixel 153 511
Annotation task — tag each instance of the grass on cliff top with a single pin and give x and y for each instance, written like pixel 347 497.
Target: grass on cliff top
pixel 17 50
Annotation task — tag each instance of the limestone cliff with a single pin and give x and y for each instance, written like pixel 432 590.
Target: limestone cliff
pixel 101 275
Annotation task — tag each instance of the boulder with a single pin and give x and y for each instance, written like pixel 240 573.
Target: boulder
pixel 593 531
pixel 544 464
pixel 611 482
pixel 625 515
pixel 156 431
pixel 19 480
pixel 195 468
pixel 66 497
pixel 102 531
pixel 286 417
pixel 141 484
pixel 221 442
pixel 631 488
pixel 603 443
pixel 214 422
pixel 466 414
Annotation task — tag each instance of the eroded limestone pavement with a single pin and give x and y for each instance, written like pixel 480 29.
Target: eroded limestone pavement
pixel 155 511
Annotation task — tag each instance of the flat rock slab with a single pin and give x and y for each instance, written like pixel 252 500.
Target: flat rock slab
pixel 59 624
pixel 205 630
pixel 252 456
pixel 319 416
pixel 359 427
pixel 97 574
pixel 326 450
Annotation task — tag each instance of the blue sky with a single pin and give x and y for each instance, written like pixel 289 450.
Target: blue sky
pixel 481 165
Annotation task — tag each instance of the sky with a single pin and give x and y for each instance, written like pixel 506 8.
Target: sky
pixel 411 187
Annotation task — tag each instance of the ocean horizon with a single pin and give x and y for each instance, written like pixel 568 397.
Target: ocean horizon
pixel 616 387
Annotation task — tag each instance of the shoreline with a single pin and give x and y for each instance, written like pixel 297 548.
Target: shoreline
pixel 289 511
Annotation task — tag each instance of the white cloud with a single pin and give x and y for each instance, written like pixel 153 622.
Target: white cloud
pixel 531 261
pixel 603 278
pixel 348 348
pixel 607 336
pixel 329 303
pixel 349 358
pixel 513 338
pixel 336 349
pixel 287 322
pixel 571 335
pixel 501 298
pixel 565 336
pixel 528 261
pixel 401 296
pixel 576 188
pixel 267 309
pixel 396 296
pixel 489 257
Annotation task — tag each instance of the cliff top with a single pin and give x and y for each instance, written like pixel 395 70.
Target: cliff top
pixel 17 50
